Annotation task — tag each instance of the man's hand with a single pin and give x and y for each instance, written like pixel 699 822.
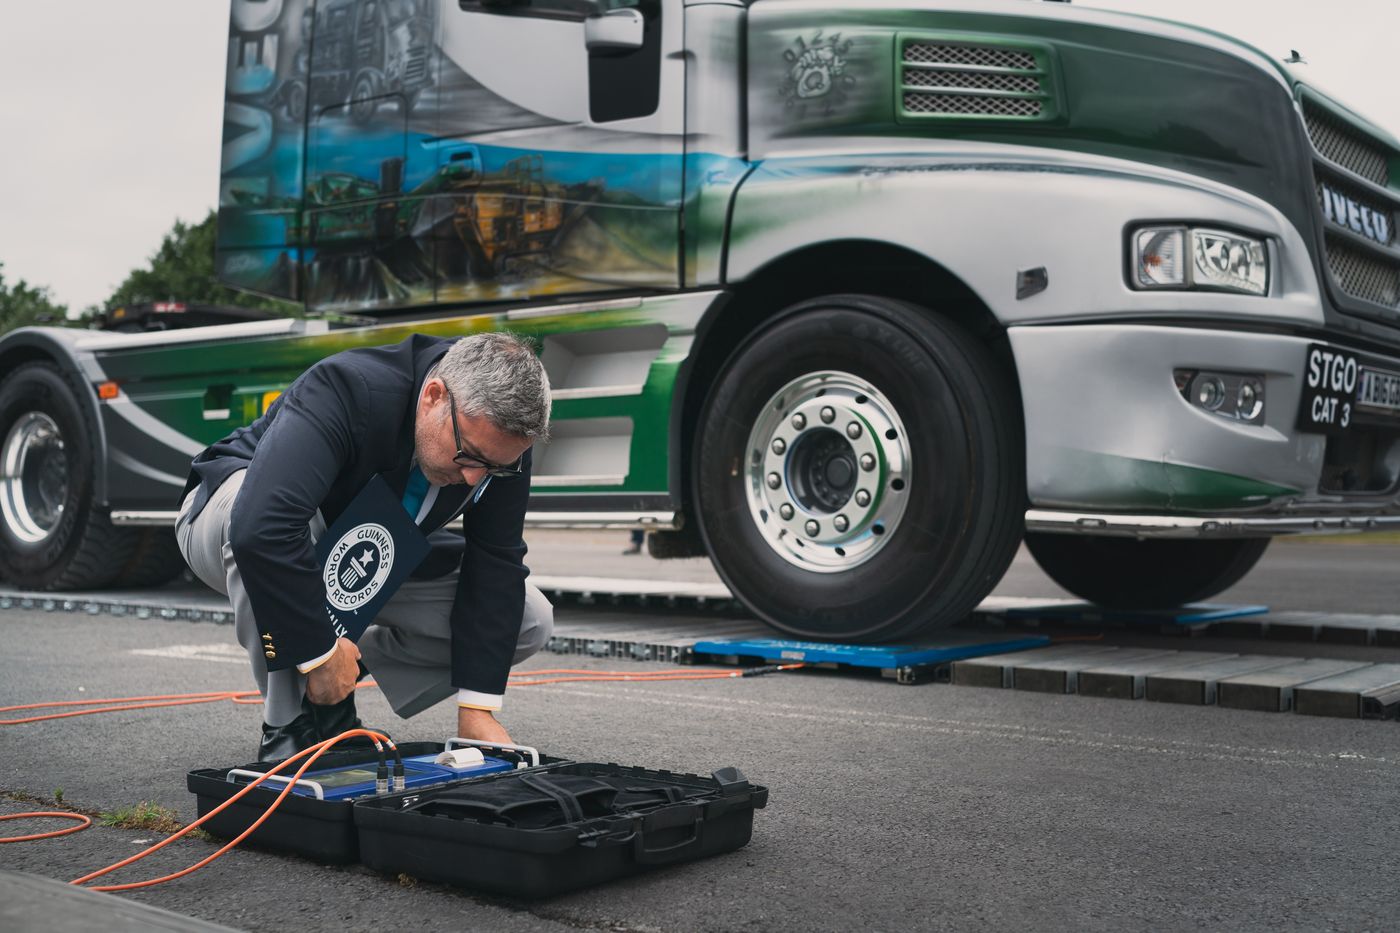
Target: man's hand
pixel 333 681
pixel 481 725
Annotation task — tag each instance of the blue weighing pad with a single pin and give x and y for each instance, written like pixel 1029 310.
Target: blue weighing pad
pixel 948 648
pixel 358 780
pixel 1189 615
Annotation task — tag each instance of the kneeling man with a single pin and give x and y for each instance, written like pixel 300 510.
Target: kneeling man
pixel 447 425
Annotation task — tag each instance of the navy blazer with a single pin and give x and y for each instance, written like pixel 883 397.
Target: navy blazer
pixel 345 419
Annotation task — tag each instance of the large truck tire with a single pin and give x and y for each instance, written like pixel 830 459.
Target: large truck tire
pixel 51 536
pixel 859 471
pixel 1149 573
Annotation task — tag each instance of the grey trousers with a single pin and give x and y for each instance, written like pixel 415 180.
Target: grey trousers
pixel 407 648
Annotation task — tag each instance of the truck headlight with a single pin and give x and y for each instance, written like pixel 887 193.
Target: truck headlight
pixel 1199 258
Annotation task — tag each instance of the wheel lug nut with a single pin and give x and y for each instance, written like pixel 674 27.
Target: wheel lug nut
pixel 853 430
pixel 841 523
pixel 785 510
pixel 774 480
pixel 862 498
pixel 828 415
pixel 799 421
pixel 813 529
pixel 867 462
pixel 779 445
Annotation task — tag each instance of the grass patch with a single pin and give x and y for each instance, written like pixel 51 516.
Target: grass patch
pixel 144 815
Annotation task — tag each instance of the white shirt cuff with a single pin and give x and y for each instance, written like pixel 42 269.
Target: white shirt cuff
pixel 470 699
pixel 307 667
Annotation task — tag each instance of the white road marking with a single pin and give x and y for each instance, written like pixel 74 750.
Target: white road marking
pixel 220 652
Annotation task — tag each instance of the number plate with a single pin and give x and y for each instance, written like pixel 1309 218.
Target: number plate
pixel 1379 390
pixel 1340 387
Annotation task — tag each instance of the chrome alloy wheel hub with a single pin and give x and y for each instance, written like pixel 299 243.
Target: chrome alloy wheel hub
pixel 829 468
pixel 33 477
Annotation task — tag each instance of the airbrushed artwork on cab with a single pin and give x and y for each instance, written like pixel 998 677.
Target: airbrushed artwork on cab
pixel 373 104
pixel 815 78
pixel 817 74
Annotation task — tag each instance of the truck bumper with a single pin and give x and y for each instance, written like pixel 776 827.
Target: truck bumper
pixel 1113 447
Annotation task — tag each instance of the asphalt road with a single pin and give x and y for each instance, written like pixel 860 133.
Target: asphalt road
pixel 928 807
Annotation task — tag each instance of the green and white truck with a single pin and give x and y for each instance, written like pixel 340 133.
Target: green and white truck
pixel 851 297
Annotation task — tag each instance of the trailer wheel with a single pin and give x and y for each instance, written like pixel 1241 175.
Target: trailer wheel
pixel 364 96
pixel 154 558
pixel 1150 573
pixel 51 536
pixel 859 471
pixel 294 100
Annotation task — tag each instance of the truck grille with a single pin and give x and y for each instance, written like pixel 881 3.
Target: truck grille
pixel 1358 220
pixel 1344 147
pixel 1363 276
pixel 994 81
pixel 951 105
pixel 943 78
pixel 928 53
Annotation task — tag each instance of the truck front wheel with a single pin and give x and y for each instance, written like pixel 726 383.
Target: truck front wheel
pixel 51 537
pixel 1150 573
pixel 859 471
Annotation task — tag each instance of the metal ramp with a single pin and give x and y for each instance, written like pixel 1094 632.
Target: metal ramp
pixel 1273 683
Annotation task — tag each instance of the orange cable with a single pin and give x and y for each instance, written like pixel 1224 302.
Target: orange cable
pixel 318 749
pixel 84 824
pixel 570 670
pixel 252 698
pixel 656 677
pixel 115 709
pixel 315 751
pixel 166 696
pixel 621 678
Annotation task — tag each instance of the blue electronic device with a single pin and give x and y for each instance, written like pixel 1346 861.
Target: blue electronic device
pixel 357 780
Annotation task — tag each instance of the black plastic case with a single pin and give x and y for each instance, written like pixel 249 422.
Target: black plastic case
pixel 526 842
pixel 323 830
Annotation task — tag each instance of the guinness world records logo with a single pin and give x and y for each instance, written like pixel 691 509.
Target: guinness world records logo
pixel 358 565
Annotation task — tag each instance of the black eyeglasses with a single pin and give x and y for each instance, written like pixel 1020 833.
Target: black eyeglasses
pixel 464 459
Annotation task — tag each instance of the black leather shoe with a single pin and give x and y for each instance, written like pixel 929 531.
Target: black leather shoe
pixel 334 718
pixel 282 742
pixel 315 723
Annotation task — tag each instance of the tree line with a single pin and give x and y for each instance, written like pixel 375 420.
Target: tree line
pixel 181 269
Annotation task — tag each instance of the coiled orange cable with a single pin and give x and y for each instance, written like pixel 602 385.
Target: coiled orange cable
pixel 84 823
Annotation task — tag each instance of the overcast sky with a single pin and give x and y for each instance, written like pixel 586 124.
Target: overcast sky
pixel 111 115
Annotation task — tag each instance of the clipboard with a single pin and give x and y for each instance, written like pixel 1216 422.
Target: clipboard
pixel 365 556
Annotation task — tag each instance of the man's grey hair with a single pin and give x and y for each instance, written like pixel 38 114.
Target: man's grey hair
pixel 498 376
